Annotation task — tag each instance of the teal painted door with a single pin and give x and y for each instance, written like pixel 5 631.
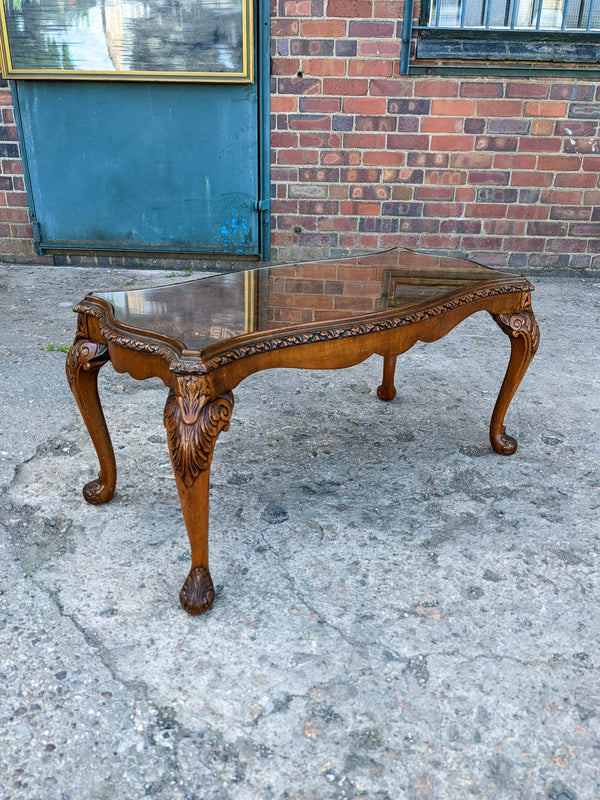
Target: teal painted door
pixel 142 167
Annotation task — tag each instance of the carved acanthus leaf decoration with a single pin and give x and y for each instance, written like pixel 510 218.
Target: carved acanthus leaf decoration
pixel 521 323
pixel 193 421
pixel 85 355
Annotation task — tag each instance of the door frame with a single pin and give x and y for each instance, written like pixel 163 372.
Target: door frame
pixel 262 38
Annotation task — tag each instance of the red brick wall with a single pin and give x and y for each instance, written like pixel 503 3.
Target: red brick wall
pixel 504 171
pixel 16 235
pixel 501 170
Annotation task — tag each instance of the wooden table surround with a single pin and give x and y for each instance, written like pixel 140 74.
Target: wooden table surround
pixel 203 336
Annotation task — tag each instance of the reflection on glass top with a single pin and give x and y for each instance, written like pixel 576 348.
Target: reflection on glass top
pixel 204 311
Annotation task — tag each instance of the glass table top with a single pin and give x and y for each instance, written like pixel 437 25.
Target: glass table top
pixel 204 311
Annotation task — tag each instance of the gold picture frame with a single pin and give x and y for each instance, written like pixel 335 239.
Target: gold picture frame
pixel 208 41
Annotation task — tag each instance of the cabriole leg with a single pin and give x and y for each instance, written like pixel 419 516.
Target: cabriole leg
pixel 524 335
pixel 193 420
pixel 387 390
pixel 83 364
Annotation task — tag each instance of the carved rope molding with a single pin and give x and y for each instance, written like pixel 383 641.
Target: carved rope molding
pixel 193 421
pixel 197 367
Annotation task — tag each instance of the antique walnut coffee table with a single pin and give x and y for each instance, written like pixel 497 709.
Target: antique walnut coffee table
pixel 202 337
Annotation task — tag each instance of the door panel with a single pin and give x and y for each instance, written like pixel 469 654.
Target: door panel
pixel 142 166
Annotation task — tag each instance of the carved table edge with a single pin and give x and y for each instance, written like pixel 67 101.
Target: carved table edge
pixel 196 366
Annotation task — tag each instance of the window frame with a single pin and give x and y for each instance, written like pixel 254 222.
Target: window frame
pixel 519 57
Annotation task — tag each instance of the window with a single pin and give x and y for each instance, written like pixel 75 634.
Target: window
pixel 516 15
pixel 549 32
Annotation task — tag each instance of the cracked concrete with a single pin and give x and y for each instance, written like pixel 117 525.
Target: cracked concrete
pixel 400 612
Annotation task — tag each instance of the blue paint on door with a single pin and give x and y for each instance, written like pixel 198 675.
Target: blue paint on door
pixel 143 166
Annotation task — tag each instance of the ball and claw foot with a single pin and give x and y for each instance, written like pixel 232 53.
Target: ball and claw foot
pixel 197 593
pixel 503 443
pixel 96 492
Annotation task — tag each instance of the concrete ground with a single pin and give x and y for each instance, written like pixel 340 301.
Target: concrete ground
pixel 400 612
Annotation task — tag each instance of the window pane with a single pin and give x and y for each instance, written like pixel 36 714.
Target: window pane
pixel 516 14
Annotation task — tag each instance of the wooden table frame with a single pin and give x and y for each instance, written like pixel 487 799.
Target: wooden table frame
pixel 200 400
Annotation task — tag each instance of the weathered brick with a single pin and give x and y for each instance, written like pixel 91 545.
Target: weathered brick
pixel 320 175
pixel 531 179
pixel 443 210
pixel 483 210
pixel 545 109
pixel 364 105
pixel 360 175
pixel 297 157
pixel 583 111
pixel 320 139
pixel 474 125
pixel 371 30
pixel 501 143
pixel 370 68
pixel 583 146
pixel 520 126
pixel 452 143
pixel 318 207
pixel 527 90
pixel 380 123
pixel 496 195
pixel 540 144
pixel 284 139
pixel 323 28
pixel 383 158
pixel 436 87
pixel 323 66
pixel 408 141
pixel 369 192
pixel 499 108
pixel 559 162
pixel 325 105
pixel 453 108
pixel 577 180
pixel 445 177
pixel 385 48
pixel 364 140
pixel 393 209
pixel 442 125
pixel 346 48
pixel 387 9
pixel 436 160
pixel 418 225
pixel 400 105
pixel 346 87
pixel 380 87
pixel 572 91
pixel 537 228
pixel 462 226
pixel 482 243
pixel 571 212
pixel 504 227
pixel 566 244
pixel 342 122
pixel 464 194
pixel 350 9
pixel 489 177
pixel 474 89
pixel 311 47
pixel 309 122
pixel 378 224
pixel 471 160
pixel 298 85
